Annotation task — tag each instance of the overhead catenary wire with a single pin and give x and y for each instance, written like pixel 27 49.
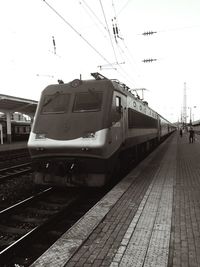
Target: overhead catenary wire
pixel 116 35
pixel 96 21
pixel 91 46
pixel 122 39
pixel 115 23
pixel 105 66
pixel 123 7
pixel 108 30
pixel 126 55
pixel 79 34
pixel 93 13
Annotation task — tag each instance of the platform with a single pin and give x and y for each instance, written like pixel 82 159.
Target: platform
pixel 151 218
pixel 13 146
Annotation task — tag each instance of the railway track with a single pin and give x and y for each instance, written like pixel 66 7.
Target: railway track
pixel 10 172
pixel 29 227
pixel 29 219
pixel 15 157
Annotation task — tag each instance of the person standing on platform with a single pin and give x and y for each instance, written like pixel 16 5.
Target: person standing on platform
pixel 191 135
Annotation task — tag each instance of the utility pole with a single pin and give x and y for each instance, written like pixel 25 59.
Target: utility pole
pixel 191 114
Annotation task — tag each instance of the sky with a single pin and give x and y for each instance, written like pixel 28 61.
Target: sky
pixel 85 43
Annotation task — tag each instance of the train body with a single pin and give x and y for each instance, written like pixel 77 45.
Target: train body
pixel 20 130
pixel 196 126
pixel 84 129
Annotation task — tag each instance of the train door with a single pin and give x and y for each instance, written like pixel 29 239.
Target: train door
pixel 120 104
pixel 159 129
pixel 1 134
pixel 124 118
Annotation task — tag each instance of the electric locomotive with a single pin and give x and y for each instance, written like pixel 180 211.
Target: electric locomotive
pixel 84 129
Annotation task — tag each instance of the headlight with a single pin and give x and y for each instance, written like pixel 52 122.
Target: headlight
pixel 40 136
pixel 89 135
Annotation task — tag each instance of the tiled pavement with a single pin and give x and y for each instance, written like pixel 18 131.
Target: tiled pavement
pixel 185 230
pixel 151 218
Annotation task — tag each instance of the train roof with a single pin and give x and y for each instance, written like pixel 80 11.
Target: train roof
pixel 121 87
pixel 196 122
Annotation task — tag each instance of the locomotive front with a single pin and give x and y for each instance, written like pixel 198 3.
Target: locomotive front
pixel 69 138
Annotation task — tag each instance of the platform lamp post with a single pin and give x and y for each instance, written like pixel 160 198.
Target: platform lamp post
pixel 191 114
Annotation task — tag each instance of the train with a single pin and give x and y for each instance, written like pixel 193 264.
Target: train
pixel 84 130
pixel 20 130
pixel 196 126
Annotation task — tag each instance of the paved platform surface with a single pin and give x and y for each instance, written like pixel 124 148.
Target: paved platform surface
pixel 151 218
pixel 13 146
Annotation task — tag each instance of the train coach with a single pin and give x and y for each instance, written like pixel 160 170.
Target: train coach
pixel 20 130
pixel 196 126
pixel 83 130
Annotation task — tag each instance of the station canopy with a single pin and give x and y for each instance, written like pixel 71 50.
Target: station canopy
pixel 17 104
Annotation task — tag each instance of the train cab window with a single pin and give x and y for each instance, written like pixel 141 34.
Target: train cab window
pixel 118 103
pixel 116 111
pixel 56 103
pixel 88 101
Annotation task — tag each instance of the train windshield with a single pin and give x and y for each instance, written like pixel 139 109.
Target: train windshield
pixel 88 101
pixel 56 103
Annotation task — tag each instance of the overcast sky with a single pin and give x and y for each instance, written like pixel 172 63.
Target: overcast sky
pixel 85 43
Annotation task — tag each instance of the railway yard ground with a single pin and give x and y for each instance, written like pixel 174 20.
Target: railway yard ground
pixel 150 218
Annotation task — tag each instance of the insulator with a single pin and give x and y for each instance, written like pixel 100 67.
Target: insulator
pixel 116 29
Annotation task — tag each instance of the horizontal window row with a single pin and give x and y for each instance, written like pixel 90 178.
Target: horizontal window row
pixel 140 120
